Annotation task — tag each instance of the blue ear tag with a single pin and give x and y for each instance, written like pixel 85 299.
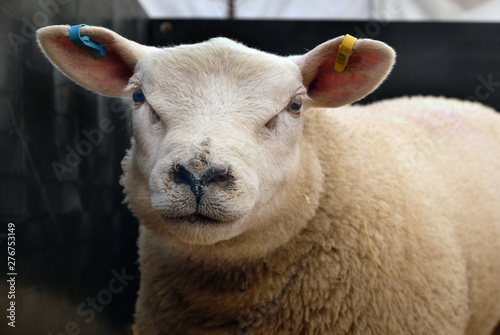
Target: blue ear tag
pixel 97 49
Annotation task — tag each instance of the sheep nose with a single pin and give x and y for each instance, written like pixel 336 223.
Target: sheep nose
pixel 198 179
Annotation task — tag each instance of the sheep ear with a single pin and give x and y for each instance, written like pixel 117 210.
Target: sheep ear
pixel 370 62
pixel 107 75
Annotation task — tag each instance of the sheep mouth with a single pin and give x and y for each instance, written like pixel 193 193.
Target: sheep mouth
pixel 195 219
pixel 200 218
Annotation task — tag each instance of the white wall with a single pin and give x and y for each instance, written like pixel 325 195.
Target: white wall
pixel 448 10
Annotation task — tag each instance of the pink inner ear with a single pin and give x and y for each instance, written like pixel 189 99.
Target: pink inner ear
pixel 108 73
pixel 332 87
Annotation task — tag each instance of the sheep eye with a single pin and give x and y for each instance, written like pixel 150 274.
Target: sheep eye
pixel 294 106
pixel 138 97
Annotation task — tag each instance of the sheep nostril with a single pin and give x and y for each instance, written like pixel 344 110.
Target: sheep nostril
pixel 220 180
pixel 181 175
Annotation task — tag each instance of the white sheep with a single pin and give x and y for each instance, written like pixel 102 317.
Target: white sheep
pixel 261 212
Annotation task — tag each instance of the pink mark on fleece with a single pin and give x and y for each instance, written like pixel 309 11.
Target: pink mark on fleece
pixel 437 121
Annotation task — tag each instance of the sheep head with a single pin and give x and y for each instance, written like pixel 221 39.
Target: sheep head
pixel 217 127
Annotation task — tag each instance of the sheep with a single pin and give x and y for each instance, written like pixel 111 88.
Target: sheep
pixel 269 204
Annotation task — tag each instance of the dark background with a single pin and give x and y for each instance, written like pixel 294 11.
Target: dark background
pixel 73 233
pixel 70 233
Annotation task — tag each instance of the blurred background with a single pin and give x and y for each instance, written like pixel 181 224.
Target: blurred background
pixel 76 251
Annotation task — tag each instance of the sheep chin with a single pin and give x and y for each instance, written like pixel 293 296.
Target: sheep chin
pixel 198 229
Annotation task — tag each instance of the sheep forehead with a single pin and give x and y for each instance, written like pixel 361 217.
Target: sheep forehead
pixel 219 67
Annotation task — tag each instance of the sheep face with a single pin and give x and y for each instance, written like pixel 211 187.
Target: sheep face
pixel 218 156
pixel 216 128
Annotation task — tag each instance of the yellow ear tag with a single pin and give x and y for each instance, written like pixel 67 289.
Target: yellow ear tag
pixel 345 51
